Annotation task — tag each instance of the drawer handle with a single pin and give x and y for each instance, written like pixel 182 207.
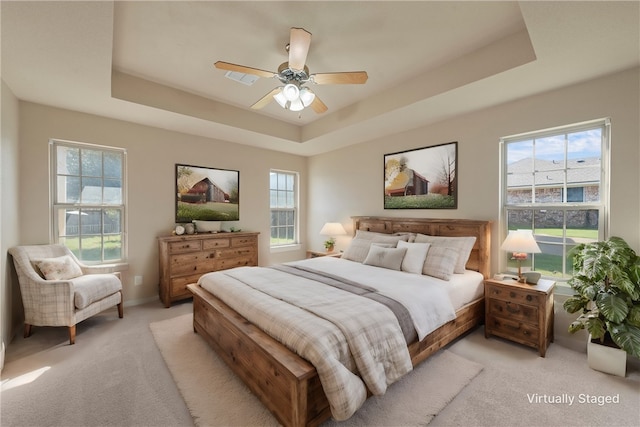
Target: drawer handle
pixel 513 309
pixel 529 298
pixel 512 294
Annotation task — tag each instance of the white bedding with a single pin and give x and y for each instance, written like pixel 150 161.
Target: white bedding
pixel 464 288
pixel 415 291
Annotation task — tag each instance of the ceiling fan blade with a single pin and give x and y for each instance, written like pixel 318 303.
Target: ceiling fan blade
pixel 299 43
pixel 318 106
pixel 242 69
pixel 262 102
pixel 353 77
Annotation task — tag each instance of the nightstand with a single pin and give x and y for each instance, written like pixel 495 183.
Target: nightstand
pixel 316 254
pixel 520 312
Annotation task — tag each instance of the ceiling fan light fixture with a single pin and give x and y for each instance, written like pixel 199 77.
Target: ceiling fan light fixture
pixel 306 96
pixel 291 92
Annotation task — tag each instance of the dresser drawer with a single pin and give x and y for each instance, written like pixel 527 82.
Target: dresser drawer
pixel 513 330
pixel 243 241
pixel 179 285
pixel 514 311
pixel 215 243
pixel 514 295
pixel 224 264
pixel 192 263
pixel 186 246
pixel 246 251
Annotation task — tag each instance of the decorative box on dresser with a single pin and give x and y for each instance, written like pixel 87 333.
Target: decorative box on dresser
pixel 183 259
pixel 520 312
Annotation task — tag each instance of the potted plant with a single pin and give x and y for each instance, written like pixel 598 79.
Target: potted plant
pixel 606 281
pixel 330 244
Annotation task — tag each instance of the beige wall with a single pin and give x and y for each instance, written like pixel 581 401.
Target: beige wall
pixel 151 157
pixel 11 305
pixel 349 181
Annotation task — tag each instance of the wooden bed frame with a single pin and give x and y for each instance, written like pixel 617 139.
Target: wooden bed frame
pixel 287 384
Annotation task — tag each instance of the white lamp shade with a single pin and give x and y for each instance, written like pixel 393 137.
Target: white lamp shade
pixel 306 96
pixel 296 105
pixel 521 241
pixel 291 92
pixel 280 99
pixel 332 229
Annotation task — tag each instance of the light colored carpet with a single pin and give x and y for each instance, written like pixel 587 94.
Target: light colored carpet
pixel 215 396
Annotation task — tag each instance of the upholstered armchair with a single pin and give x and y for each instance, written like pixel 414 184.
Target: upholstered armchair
pixel 58 290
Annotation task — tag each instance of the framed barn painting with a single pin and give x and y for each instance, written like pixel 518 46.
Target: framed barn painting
pixel 423 178
pixel 207 194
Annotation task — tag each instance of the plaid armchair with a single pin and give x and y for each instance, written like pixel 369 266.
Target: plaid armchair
pixel 58 290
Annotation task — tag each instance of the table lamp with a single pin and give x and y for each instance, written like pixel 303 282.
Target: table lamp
pixel 520 243
pixel 332 229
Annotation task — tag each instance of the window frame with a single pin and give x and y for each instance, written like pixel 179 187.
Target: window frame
pixel 55 206
pixel 277 247
pixel 602 206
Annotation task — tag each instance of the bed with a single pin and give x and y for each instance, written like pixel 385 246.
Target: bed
pixel 289 385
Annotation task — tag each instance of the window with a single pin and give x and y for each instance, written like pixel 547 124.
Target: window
pixel 88 194
pixel 283 192
pixel 554 183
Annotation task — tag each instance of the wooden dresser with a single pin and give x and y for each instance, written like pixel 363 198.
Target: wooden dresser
pixel 183 259
pixel 520 312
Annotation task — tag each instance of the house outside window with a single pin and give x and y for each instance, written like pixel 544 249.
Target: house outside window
pixel 554 182
pixel 283 193
pixel 88 200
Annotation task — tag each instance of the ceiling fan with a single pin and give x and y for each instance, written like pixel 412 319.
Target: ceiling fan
pixel 294 74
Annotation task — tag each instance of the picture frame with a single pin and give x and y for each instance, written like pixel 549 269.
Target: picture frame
pixel 206 194
pixel 422 178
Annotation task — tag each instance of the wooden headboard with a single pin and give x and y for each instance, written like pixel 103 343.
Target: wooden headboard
pixel 479 258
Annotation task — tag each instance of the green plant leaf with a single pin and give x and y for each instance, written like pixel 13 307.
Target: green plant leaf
pixel 575 326
pixel 575 303
pixel 627 337
pixel 612 307
pixel 634 316
pixel 596 327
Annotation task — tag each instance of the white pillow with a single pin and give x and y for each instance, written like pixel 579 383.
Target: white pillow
pixel 413 261
pixel 390 258
pixel 59 268
pixel 464 245
pixel 440 262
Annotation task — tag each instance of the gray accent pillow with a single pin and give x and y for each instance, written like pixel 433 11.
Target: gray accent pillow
pixel 463 245
pixel 390 258
pixel 440 262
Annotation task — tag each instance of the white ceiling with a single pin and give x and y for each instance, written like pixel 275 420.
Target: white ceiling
pixel 151 62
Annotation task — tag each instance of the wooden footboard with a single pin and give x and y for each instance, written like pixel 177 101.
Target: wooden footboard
pixel 287 384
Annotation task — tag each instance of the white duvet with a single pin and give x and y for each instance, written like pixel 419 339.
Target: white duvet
pixel 426 298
